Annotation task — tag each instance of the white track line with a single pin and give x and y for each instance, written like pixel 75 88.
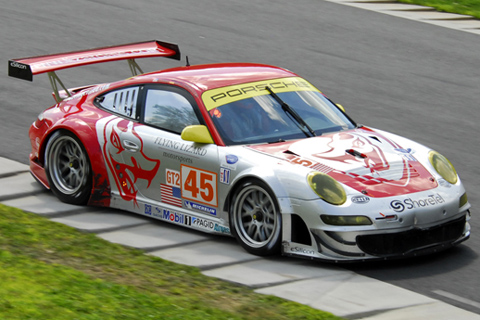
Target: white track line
pixel 457 298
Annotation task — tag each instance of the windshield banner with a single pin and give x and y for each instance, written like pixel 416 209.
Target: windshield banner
pixel 218 97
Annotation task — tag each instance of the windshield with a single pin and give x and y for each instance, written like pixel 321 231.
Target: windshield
pixel 261 118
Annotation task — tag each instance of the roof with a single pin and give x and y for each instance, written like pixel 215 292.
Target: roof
pixel 211 76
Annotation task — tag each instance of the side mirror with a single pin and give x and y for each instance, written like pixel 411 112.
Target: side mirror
pixel 197 133
pixel 340 106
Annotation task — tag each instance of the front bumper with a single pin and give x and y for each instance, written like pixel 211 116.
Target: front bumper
pixel 336 246
pixel 414 240
pixel 423 223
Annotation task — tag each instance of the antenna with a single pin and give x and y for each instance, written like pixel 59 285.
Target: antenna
pixel 188 62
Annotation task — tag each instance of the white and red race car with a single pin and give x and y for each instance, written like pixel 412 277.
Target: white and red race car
pixel 248 150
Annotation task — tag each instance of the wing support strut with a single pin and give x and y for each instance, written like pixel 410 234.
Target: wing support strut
pixel 134 67
pixel 54 82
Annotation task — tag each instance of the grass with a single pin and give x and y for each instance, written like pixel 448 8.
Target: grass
pixel 51 271
pixel 466 7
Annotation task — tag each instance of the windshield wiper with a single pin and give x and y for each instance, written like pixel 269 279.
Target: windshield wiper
pixel 291 112
pixel 276 141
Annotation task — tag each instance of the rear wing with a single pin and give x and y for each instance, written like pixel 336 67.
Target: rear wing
pixel 25 68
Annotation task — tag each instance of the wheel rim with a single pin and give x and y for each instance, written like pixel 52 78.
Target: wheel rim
pixel 256 216
pixel 68 165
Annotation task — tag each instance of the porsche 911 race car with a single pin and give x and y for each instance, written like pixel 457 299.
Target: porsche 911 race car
pixel 247 150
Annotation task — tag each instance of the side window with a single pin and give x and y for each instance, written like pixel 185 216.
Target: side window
pixel 168 110
pixel 123 101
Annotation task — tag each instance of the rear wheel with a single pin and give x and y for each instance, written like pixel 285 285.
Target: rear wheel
pixel 255 218
pixel 68 168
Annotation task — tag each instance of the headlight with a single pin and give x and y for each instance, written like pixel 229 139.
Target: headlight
pixel 443 167
pixel 346 220
pixel 327 188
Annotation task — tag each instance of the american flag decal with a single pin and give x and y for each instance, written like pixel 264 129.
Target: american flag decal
pixel 171 195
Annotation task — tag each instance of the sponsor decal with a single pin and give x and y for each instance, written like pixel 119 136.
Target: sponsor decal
pixel 409 203
pixel 93 56
pixel 184 219
pixel 231 159
pixel 202 223
pixel 225 175
pixel 15 64
pixel 148 210
pixel 222 229
pixel 180 146
pixel 89 91
pixel 170 195
pixel 200 207
pixel 172 178
pixel 206 224
pixel 177 157
pixel 230 162
pixel 406 154
pixel 225 165
pixel 217 97
pixel 444 183
pixel 401 150
pixel 360 199
pixel 302 250
pixel 171 216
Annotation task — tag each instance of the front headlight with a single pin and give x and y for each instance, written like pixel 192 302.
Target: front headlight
pixel 327 188
pixel 443 167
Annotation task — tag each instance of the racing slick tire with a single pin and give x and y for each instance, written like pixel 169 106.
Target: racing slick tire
pixel 68 168
pixel 255 218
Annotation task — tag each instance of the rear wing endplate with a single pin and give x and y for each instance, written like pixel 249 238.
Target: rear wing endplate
pixel 25 68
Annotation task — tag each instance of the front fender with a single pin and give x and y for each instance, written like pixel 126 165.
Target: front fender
pixel 268 176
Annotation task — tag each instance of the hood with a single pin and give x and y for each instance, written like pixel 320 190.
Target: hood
pixel 362 159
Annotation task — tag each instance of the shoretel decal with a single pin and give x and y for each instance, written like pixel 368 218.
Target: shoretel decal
pixel 409 203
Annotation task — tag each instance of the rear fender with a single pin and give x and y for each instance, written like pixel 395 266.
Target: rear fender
pixel 101 186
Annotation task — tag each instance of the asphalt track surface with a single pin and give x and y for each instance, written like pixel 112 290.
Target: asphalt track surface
pixel 411 78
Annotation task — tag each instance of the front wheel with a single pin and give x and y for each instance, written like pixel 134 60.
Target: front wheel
pixel 68 168
pixel 255 218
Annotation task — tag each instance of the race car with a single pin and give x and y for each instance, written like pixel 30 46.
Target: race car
pixel 247 150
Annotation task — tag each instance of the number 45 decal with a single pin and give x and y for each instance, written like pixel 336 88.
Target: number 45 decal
pixel 199 185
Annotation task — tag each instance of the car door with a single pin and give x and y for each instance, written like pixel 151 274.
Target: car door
pixel 168 170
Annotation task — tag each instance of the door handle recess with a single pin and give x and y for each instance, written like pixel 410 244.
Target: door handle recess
pixel 130 146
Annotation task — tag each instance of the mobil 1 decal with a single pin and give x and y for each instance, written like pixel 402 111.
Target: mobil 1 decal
pixel 199 185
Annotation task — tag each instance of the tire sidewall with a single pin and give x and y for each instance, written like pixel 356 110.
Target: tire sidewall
pixel 274 244
pixel 82 195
